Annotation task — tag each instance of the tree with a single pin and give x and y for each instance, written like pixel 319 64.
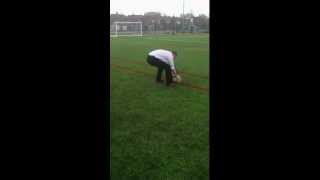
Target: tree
pixel 202 21
pixel 155 21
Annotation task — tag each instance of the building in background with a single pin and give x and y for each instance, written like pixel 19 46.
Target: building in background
pixel 157 23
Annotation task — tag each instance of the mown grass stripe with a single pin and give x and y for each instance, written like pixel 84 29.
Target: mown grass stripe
pixel 130 70
pixel 141 63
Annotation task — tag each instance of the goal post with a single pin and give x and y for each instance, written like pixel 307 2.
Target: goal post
pixel 119 28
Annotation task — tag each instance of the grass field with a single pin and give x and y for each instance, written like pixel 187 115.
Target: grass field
pixel 159 132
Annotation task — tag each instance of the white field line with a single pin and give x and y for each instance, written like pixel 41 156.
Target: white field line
pixel 163 39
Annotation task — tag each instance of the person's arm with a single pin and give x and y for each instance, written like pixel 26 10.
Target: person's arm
pixel 174 72
pixel 173 69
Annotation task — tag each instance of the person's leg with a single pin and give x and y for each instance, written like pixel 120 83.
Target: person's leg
pixel 158 79
pixel 161 65
pixel 168 75
pixel 157 63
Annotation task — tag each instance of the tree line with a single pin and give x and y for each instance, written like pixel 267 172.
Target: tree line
pixel 155 21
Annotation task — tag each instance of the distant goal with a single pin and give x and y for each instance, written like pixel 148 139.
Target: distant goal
pixel 119 28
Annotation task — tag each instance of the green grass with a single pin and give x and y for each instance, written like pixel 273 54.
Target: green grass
pixel 159 132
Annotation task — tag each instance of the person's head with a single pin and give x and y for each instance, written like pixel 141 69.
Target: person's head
pixel 174 54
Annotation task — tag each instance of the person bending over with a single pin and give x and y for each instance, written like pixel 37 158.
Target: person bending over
pixel 163 60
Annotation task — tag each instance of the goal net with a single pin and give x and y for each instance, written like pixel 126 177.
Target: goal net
pixel 126 29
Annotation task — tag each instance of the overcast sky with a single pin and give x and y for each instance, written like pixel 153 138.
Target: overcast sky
pixel 168 7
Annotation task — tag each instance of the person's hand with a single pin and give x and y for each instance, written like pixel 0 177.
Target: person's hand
pixel 173 74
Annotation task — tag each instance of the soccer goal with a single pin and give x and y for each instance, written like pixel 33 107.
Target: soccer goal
pixel 126 29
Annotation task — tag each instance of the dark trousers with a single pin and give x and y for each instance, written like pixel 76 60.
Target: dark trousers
pixel 161 66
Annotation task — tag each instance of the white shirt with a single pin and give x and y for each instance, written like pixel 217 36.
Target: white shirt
pixel 164 55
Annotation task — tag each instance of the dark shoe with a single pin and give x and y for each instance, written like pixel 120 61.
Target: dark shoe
pixel 159 81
